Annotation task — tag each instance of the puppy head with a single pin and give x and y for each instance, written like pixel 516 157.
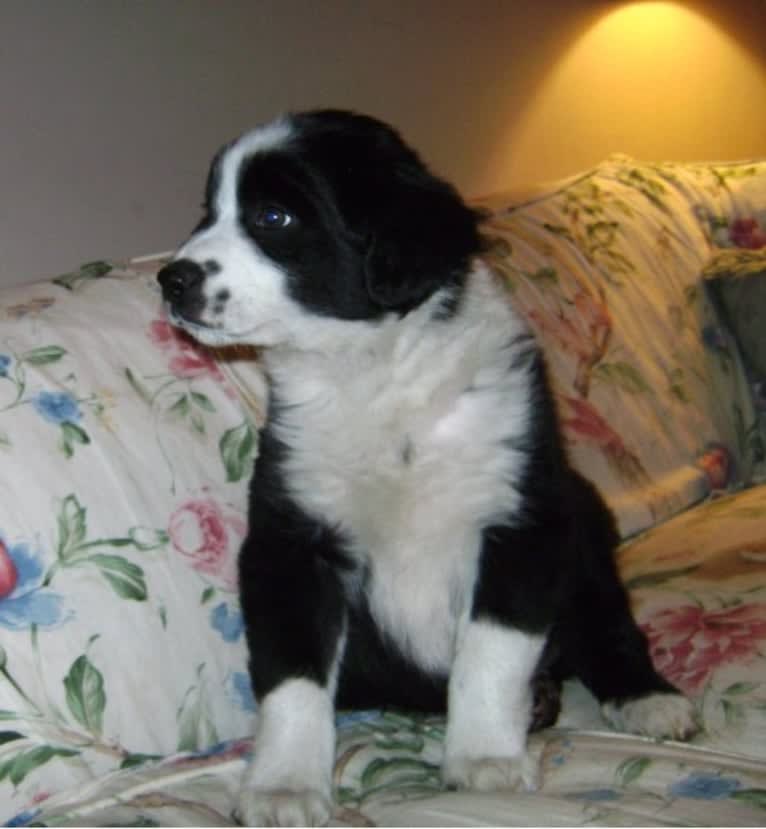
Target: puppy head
pixel 323 215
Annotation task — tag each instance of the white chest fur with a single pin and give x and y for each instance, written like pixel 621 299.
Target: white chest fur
pixel 403 439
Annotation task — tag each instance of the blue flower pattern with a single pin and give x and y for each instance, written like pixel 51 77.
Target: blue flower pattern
pixel 30 602
pixel 24 818
pixel 57 407
pixel 705 786
pixel 227 621
pixel 241 691
pixel 597 795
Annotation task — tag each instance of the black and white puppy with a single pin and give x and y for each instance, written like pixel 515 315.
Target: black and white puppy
pixel 417 536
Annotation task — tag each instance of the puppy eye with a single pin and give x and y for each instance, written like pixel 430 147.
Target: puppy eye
pixel 272 218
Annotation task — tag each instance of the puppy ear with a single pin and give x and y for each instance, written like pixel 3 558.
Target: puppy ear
pixel 423 237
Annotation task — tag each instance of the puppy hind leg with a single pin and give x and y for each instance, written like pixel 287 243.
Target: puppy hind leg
pixel 609 652
pixel 659 714
pixel 641 701
pixel 598 639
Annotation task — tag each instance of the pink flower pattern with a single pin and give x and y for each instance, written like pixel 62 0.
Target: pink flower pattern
pixel 747 233
pixel 208 535
pixel 584 332
pixel 718 465
pixel 9 574
pixel 583 423
pixel 688 643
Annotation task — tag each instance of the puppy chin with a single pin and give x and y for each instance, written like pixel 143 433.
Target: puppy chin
pixel 209 336
pixel 263 335
pixel 203 333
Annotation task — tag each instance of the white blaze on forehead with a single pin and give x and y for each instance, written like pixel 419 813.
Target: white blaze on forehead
pixel 223 241
pixel 261 139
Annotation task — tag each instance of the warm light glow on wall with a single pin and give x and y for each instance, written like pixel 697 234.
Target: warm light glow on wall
pixel 637 25
pixel 644 43
pixel 656 80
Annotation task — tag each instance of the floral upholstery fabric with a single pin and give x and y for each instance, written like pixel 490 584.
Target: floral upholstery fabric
pixel 699 589
pixel 653 397
pixel 125 452
pixel 126 448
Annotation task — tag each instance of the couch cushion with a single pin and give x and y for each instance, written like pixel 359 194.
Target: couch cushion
pixel 698 585
pixel 607 268
pixel 699 590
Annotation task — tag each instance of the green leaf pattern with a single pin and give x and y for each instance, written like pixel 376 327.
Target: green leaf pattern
pixel 85 694
pixel 238 451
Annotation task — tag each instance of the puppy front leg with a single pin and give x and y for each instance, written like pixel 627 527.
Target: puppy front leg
pixel 490 707
pixel 289 782
pixel 294 614
pixel 499 645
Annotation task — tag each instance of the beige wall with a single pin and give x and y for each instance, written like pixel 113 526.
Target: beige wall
pixel 110 109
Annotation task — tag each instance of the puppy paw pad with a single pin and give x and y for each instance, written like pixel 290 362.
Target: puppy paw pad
pixel 489 774
pixel 660 715
pixel 283 807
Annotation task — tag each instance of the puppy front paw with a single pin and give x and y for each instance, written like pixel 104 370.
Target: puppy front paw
pixel 283 807
pixel 489 774
pixel 661 715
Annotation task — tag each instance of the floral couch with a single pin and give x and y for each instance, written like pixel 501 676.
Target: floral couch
pixel 125 450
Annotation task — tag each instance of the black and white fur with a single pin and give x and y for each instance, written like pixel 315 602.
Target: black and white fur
pixel 417 536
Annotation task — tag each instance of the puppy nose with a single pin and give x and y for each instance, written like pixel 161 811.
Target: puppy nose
pixel 178 277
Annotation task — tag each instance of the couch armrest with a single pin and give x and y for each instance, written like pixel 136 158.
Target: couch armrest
pixel 608 270
pixel 125 456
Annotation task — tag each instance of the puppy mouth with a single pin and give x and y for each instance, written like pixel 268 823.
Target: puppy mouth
pixel 212 334
pixel 203 332
pixel 187 323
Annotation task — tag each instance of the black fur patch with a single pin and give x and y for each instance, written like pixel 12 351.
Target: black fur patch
pixel 372 229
